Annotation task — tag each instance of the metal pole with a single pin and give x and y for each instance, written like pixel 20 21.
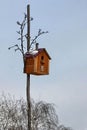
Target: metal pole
pixel 28 75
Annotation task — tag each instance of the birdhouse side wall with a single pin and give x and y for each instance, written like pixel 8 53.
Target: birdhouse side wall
pixel 29 65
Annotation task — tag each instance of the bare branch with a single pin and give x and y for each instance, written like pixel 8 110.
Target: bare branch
pixel 40 32
pixel 18 23
pixel 18 32
pixel 21 38
pixel 13 46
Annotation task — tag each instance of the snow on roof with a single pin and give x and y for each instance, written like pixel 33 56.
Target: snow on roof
pixel 35 53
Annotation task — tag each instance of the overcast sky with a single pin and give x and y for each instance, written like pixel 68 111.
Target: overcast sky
pixel 66 43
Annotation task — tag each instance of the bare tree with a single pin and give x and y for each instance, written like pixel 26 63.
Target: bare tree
pixel 44 116
pixel 13 115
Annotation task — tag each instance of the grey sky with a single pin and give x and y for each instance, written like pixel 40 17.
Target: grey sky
pixel 66 43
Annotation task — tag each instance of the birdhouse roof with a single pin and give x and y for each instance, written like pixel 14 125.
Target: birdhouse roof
pixel 36 53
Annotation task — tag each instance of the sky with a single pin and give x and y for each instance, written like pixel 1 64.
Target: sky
pixel 66 43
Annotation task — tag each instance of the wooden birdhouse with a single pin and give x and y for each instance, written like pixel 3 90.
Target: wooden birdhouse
pixel 37 62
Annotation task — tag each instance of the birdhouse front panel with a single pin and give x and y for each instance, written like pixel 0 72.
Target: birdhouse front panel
pixel 43 64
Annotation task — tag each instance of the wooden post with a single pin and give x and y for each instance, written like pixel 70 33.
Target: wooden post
pixel 28 75
pixel 28 27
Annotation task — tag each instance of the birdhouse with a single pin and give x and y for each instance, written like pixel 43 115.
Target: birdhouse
pixel 37 62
